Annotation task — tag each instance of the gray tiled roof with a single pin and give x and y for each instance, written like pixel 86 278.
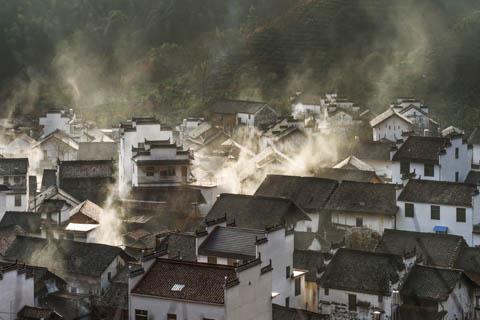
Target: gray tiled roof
pixel 473 177
pixel 180 246
pixel 313 261
pixel 309 193
pixel 234 243
pixel 49 178
pixel 433 249
pixel 89 259
pixel 255 212
pixel 13 166
pixel 474 136
pixel 341 174
pixel 438 192
pixel 421 149
pixel 429 283
pixel 376 198
pixel 28 221
pixel 362 271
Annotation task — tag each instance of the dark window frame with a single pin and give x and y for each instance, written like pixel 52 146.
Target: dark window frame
pixel 435 212
pixel 141 314
pixel 404 167
pixel 428 170
pixel 298 286
pixel 288 272
pixel 409 210
pixel 461 215
pixel 18 200
pixel 352 302
pixel 359 222
pixel 457 153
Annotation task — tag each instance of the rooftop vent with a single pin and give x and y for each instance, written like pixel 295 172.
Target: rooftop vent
pixel 177 287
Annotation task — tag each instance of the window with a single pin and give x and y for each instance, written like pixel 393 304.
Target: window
pixel 184 171
pixel 428 169
pixel 461 215
pixel 141 314
pixel 359 222
pixel 212 260
pixel 456 176
pixel 435 212
pixel 380 299
pixel 18 200
pixel 171 171
pixel 298 286
pixel 409 210
pixel 171 316
pixel 109 276
pixel 309 229
pixel 404 167
pixel 389 127
pixel 352 302
pixel 287 272
pixel 325 291
pixel 17 179
pixel 456 153
pixel 287 302
pixel 149 171
pixel 6 180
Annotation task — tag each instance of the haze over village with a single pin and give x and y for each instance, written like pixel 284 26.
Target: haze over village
pixel 239 160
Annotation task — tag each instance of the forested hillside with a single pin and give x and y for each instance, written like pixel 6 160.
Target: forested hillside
pixel 111 58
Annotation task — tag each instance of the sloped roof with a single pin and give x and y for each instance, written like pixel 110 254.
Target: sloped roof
pixel 202 282
pixel 49 178
pixel 255 212
pixel 86 169
pixel 28 221
pixel 473 177
pixel 409 312
pixel 167 194
pixel 8 235
pixel 227 106
pixel 180 246
pixel 387 115
pixel 341 174
pixel 354 163
pixel 432 249
pixel 430 283
pixel 309 193
pixel 13 166
pixel 90 259
pixel 33 313
pixel 313 261
pixel 234 243
pixel 421 149
pixel 438 192
pixel 362 271
pixel 88 209
pixel 97 151
pixel 376 198
pixel 60 135
pixel 469 262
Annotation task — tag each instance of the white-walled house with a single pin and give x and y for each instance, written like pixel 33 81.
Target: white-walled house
pixel 360 283
pixel 133 134
pixel 432 158
pixel 437 206
pixel 444 292
pixel 16 290
pixel 363 205
pixel 161 163
pixel 175 289
pixel 236 246
pixel 14 176
pixel 55 146
pixel 276 217
pixel 390 125
pixel 309 193
pixel 56 120
pixel 418 113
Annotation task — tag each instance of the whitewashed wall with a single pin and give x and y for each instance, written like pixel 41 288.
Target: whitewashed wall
pixel 391 129
pixel 374 222
pixel 16 291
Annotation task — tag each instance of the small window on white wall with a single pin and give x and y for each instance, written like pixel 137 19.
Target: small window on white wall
pixel 18 200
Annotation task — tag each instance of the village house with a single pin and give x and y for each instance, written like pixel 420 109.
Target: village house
pixel 390 125
pixel 83 221
pixel 438 206
pixel 16 289
pixel 276 217
pixel 287 135
pixel 54 120
pixel 431 249
pixel 363 205
pixel 468 261
pixel 305 105
pixel 236 246
pixel 87 180
pixel 342 174
pixel 418 113
pixel 440 292
pixel 432 158
pixel 174 289
pixel 133 134
pixel 360 284
pixel 30 223
pixel 161 163
pixel 86 267
pixel 309 193
pixel 56 146
pixel 52 193
pixel 15 187
pixel 230 114
pixel 19 146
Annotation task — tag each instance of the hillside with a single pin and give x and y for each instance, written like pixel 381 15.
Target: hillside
pixel 110 58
